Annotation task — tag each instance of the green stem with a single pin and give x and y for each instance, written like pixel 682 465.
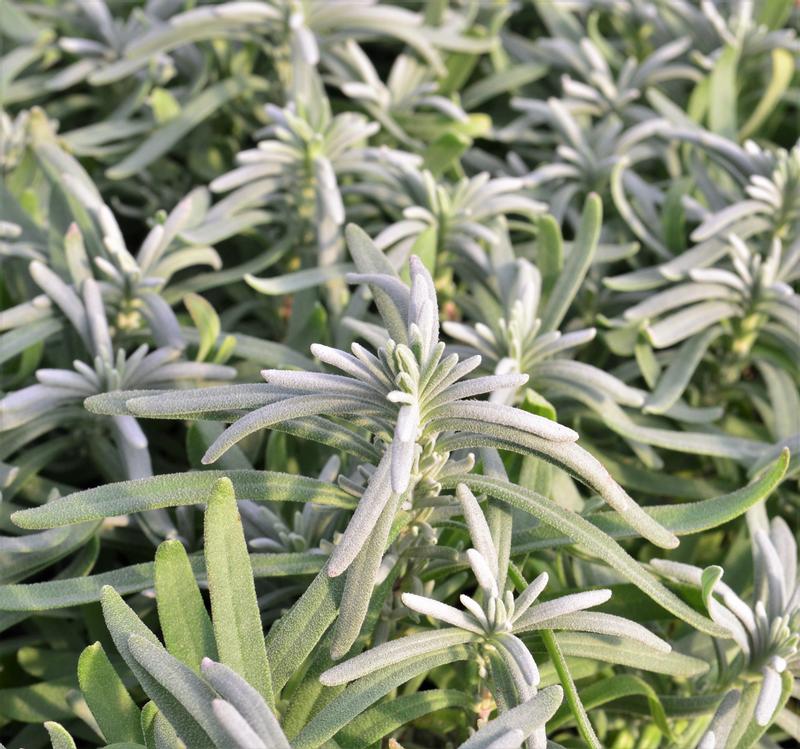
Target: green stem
pixel 570 691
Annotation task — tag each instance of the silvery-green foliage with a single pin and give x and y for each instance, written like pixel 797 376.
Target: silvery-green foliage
pixel 405 395
pixel 746 288
pixel 410 93
pixel 396 395
pixel 509 337
pixel 133 284
pixel 158 33
pixel 741 306
pixel 517 323
pixel 710 23
pixel 310 529
pixel 296 169
pixel 492 621
pixel 101 39
pixel 461 216
pixel 308 22
pixel 748 191
pixel 106 368
pixel 765 198
pixel 582 210
pixel 737 25
pixel 576 156
pixel 601 90
pixel 765 632
pixel 241 711
pixel 726 299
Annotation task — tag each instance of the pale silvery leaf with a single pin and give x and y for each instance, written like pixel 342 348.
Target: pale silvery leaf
pixel 361 525
pixel 770 693
pixel 395 651
pixel 719 730
pixel 440 611
pixel 478 528
pixel 237 728
pixel 522 721
pixel 248 703
pixel 766 632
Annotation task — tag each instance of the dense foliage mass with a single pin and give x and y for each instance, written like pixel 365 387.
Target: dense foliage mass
pixel 399 374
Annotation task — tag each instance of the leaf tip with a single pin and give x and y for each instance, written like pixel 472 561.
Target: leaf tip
pixel 223 487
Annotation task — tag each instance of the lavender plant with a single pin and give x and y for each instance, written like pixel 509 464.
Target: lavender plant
pixel 765 633
pixel 379 375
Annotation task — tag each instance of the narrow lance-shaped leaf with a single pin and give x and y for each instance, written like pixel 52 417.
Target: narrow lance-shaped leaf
pixel 174 490
pixel 576 265
pixel 722 104
pixel 112 706
pixel 247 701
pixel 367 516
pixel 784 67
pixel 76 591
pixel 234 606
pixel 612 649
pixel 235 726
pixel 689 321
pixel 299 280
pixel 185 624
pixel 164 674
pixel 295 635
pixel 393 652
pixel 360 583
pixel 569 456
pixel 207 322
pixel 125 626
pixel 674 380
pixel 523 719
pixel 682 519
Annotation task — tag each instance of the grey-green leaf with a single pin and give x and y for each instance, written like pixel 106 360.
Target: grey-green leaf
pixel 576 265
pixel 112 706
pixel 185 623
pixel 234 607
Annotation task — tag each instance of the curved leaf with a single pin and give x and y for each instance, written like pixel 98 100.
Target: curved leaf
pixel 175 490
pixel 581 531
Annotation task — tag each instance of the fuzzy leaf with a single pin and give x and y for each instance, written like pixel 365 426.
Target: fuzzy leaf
pixel 576 265
pixel 126 629
pixel 175 490
pixel 525 718
pixel 584 533
pixel 112 707
pixel 185 624
pixel 611 649
pixel 365 692
pixel 59 736
pixel 234 607
pixel 62 593
pixel 207 322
